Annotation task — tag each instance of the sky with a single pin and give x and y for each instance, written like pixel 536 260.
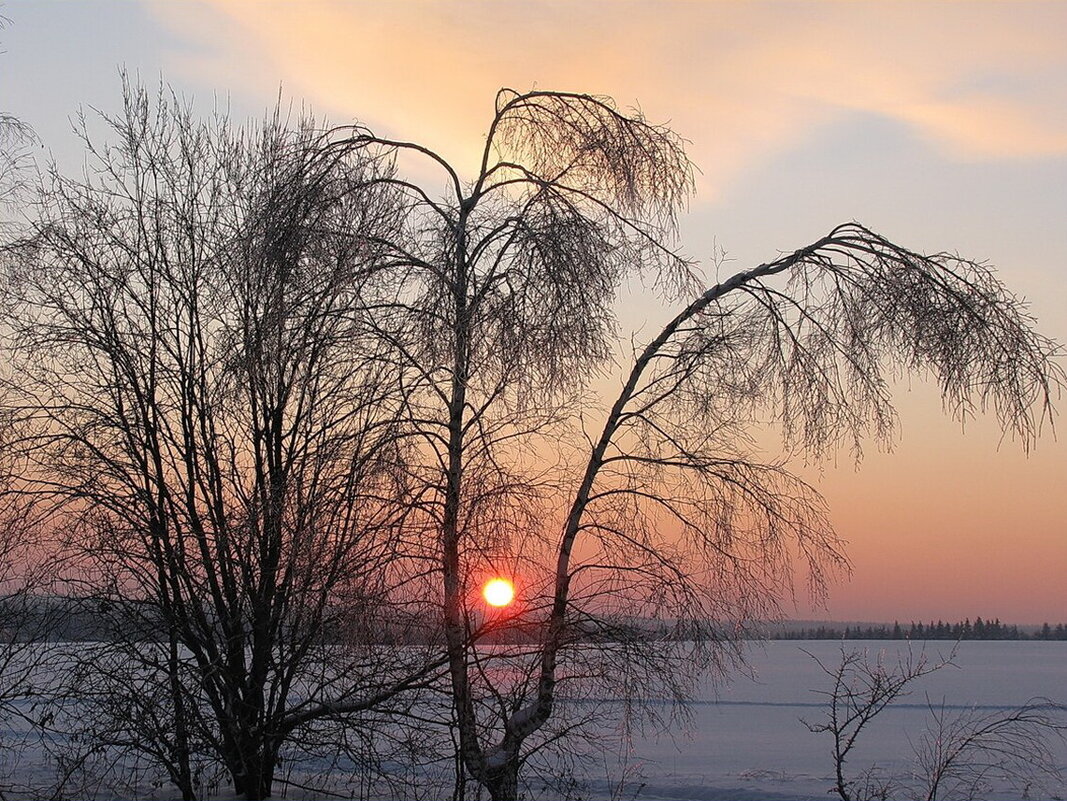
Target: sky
pixel 940 125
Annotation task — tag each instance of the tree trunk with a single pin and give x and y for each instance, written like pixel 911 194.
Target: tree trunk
pixel 260 778
pixel 183 772
pixel 503 782
pixel 251 760
pixel 256 780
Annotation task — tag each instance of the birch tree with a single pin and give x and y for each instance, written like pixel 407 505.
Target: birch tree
pixel 658 507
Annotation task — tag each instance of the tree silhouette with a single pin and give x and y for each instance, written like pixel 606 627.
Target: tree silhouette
pixel 216 437
pixel 287 403
pixel 957 756
pixel 659 507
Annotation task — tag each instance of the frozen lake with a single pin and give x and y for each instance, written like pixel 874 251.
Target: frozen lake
pixel 747 740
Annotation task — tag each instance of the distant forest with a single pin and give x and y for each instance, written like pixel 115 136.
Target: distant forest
pixel 965 630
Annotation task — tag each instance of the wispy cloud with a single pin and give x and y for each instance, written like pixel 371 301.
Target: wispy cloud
pixel 742 81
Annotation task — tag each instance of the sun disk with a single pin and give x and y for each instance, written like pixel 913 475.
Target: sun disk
pixel 499 592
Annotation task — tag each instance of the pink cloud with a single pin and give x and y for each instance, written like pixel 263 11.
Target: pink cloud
pixel 742 81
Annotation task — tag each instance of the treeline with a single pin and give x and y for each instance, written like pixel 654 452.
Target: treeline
pixel 964 630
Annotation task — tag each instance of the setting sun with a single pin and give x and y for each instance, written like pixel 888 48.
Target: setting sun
pixel 499 592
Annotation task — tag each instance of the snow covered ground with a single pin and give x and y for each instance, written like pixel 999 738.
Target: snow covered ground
pixel 747 741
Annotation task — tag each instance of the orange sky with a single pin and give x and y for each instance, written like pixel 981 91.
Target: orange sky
pixel 942 125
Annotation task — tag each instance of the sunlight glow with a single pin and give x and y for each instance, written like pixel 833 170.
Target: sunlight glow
pixel 499 592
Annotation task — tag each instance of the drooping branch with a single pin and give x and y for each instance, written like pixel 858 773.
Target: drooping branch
pixel 813 354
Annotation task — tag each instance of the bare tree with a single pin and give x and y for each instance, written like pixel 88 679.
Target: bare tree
pixel 216 432
pixel 503 310
pixel 26 619
pixel 963 754
pixel 860 690
pixel 278 387
pixel 15 138
pixel 503 314
pixel 957 756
